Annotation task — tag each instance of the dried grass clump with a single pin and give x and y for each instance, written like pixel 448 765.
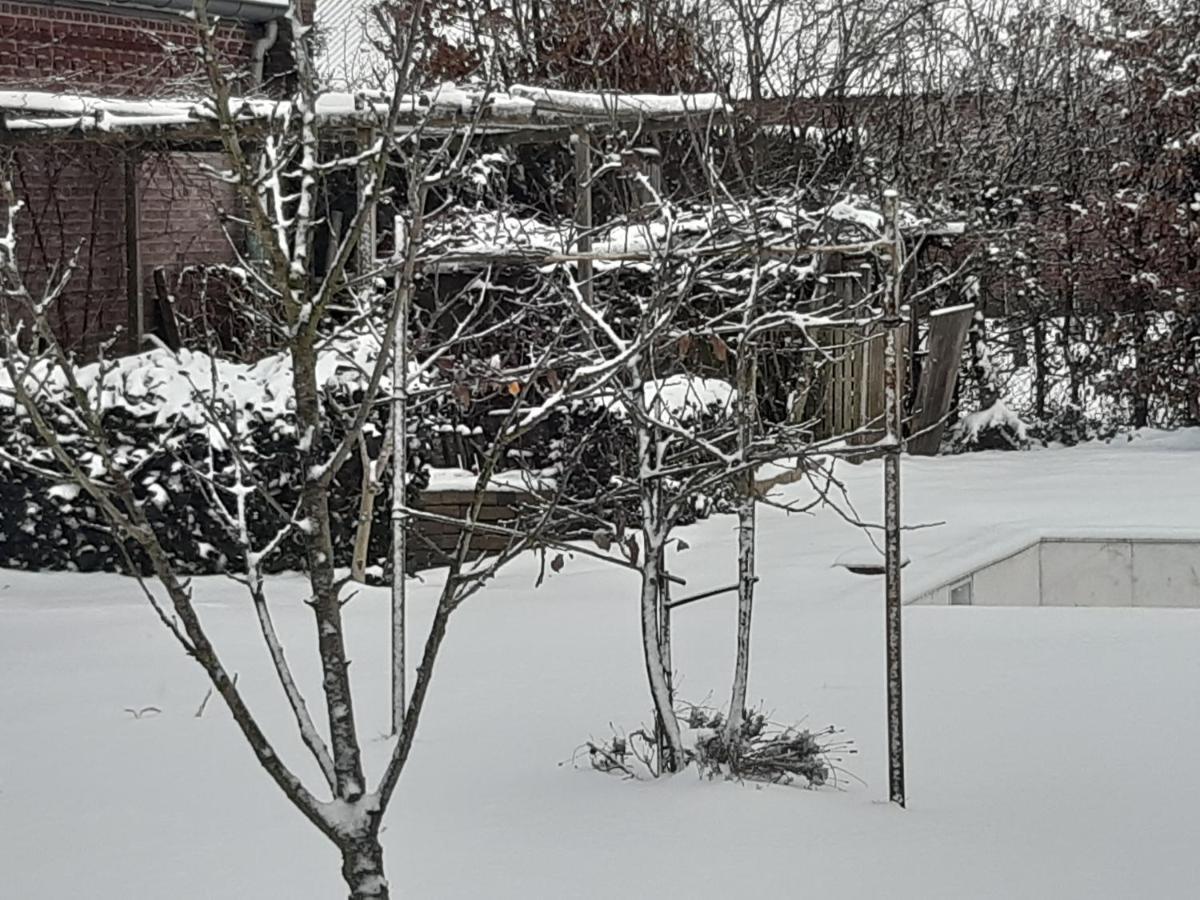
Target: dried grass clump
pixel 763 751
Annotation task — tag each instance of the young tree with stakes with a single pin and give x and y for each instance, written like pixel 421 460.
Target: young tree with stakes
pixel 279 162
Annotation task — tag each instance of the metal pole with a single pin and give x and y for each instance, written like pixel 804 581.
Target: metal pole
pixel 399 423
pixel 663 615
pixel 893 443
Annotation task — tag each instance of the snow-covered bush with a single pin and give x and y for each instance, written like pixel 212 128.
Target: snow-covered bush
pixel 157 411
pixel 763 751
pixel 181 471
pixel 994 428
pixel 1069 425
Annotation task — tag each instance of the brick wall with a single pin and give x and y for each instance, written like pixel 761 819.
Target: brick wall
pixel 73 200
pixel 54 47
pixel 74 192
pixel 184 222
pixel 74 197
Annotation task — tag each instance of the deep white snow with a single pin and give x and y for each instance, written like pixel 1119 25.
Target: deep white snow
pixel 1051 751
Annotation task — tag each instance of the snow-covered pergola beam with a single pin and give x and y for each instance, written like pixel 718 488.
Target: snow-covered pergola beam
pixel 516 256
pixel 525 114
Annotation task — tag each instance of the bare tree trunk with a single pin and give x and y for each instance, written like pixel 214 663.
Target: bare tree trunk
pixel 741 670
pixel 664 623
pixel 1141 376
pixel 654 529
pixel 1039 367
pixel 362 867
pixel 326 605
pixel 981 363
pixel 671 749
pixel 746 401
pixel 1068 355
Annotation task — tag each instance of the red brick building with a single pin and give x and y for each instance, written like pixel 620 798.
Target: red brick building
pixel 126 209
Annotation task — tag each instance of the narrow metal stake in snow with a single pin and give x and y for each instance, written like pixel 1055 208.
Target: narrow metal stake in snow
pixel 663 614
pixel 399 469
pixel 893 444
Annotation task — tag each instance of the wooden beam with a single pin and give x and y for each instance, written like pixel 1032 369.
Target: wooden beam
pixel 136 310
pixel 947 335
pixel 537 128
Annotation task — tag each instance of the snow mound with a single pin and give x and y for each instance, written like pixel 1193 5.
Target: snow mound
pixel 683 397
pixel 187 386
pixel 994 428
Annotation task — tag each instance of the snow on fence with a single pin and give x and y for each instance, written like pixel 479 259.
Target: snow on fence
pixel 1096 570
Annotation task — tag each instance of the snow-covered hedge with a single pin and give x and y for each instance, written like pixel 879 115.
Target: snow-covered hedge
pixel 171 420
pixel 179 424
pixel 180 474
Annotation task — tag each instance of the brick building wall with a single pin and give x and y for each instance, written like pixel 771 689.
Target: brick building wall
pixel 184 225
pixel 48 47
pixel 74 192
pixel 74 202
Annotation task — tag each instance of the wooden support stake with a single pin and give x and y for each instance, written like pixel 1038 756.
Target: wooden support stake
pixel 581 142
pixel 136 312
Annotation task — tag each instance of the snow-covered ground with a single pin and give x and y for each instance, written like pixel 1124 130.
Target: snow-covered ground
pixel 1051 751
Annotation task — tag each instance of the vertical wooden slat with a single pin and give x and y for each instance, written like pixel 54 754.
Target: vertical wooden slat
pixel 879 353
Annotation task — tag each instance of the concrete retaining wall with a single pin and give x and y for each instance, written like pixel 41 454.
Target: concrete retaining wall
pixel 1082 572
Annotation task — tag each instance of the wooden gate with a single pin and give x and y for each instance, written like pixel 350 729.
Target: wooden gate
pixel 853 381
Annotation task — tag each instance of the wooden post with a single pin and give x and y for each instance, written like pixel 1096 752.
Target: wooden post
pixel 664 621
pixel 644 174
pixel 136 312
pixel 893 445
pixel 581 142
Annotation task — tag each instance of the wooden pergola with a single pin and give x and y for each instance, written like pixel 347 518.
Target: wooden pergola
pixel 521 115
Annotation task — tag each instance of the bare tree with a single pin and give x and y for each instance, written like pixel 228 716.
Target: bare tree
pixel 281 158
